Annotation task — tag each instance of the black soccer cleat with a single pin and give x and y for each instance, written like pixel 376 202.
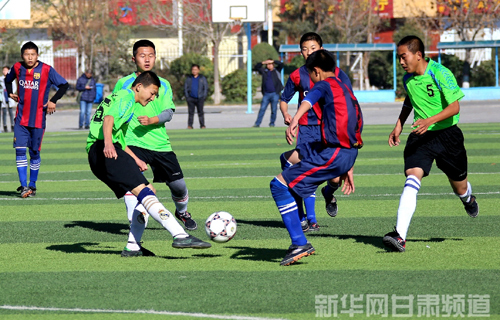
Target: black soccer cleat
pixel 304 225
pixel 33 191
pixel 296 253
pixel 190 242
pixel 331 203
pixel 185 217
pixel 313 227
pixel 394 242
pixel 26 192
pixel 131 253
pixel 472 207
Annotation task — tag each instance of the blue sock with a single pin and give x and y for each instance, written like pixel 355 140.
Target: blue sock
pixel 288 209
pixel 34 167
pixel 22 166
pixel 144 193
pixel 309 203
pixel 284 162
pixel 300 208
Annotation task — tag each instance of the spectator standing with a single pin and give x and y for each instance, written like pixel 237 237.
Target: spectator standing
pixel 196 90
pixel 86 85
pixel 271 88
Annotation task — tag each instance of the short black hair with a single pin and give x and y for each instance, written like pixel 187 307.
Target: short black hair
pixel 414 44
pixel 143 43
pixel 29 45
pixel 321 59
pixel 195 65
pixel 6 67
pixel 311 36
pixel 147 78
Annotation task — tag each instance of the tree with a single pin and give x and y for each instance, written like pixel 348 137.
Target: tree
pixel 197 24
pixel 82 21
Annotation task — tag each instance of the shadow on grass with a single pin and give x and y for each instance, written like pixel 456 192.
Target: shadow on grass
pixel 376 241
pixel 109 227
pixel 263 223
pixel 10 194
pixel 258 254
pixel 83 247
pixel 95 247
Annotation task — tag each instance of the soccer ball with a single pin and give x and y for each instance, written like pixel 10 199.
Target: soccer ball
pixel 220 226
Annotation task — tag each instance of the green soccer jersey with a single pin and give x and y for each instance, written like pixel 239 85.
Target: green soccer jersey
pixel 121 105
pixel 431 92
pixel 152 137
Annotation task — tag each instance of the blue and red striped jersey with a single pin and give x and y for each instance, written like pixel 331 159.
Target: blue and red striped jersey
pixel 33 91
pixel 299 81
pixel 342 121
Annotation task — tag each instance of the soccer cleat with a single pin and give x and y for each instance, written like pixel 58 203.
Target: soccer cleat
pixel 185 217
pixel 394 242
pixel 295 253
pixel 190 242
pixel 26 192
pixel 313 227
pixel 331 203
pixel 471 207
pixel 19 189
pixel 129 253
pixel 305 225
pixel 33 191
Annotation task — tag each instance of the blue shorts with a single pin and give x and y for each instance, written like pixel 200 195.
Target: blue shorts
pixel 28 137
pixel 318 164
pixel 308 134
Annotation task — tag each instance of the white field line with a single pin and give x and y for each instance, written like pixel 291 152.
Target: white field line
pixel 243 197
pixel 169 313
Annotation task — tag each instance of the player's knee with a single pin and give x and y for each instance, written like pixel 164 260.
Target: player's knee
pixel 34 154
pixel 178 188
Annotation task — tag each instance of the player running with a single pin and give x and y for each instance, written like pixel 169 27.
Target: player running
pixel 120 169
pixel 316 162
pixel 433 94
pixel 148 138
pixel 309 128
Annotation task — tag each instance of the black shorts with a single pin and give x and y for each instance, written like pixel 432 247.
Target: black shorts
pixel 121 175
pixel 165 166
pixel 445 146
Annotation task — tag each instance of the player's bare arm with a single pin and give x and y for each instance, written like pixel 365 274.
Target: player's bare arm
pixel 51 107
pixel 141 164
pixel 107 130
pixel 396 132
pixel 291 131
pixel 284 111
pixel 145 120
pixel 421 125
pixel 348 179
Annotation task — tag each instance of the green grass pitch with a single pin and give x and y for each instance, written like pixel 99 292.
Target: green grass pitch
pixel 60 251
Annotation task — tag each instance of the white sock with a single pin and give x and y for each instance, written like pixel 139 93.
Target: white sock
pixel 163 216
pixel 130 203
pixel 466 196
pixel 137 227
pixel 181 204
pixel 407 205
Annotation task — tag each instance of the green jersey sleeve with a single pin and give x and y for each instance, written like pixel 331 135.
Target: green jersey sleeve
pixel 448 85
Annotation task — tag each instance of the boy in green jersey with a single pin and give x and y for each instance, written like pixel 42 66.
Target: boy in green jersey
pixel 119 168
pixel 433 94
pixel 148 139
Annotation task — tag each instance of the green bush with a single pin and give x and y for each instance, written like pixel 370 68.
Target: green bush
pixel 234 86
pixel 180 68
pixel 262 52
pixel 483 75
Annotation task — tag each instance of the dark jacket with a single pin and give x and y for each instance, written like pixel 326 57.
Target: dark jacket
pixel 202 87
pixel 88 95
pixel 278 86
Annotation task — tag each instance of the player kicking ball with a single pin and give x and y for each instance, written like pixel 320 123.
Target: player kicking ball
pixel 119 168
pixel 314 163
pixel 433 94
